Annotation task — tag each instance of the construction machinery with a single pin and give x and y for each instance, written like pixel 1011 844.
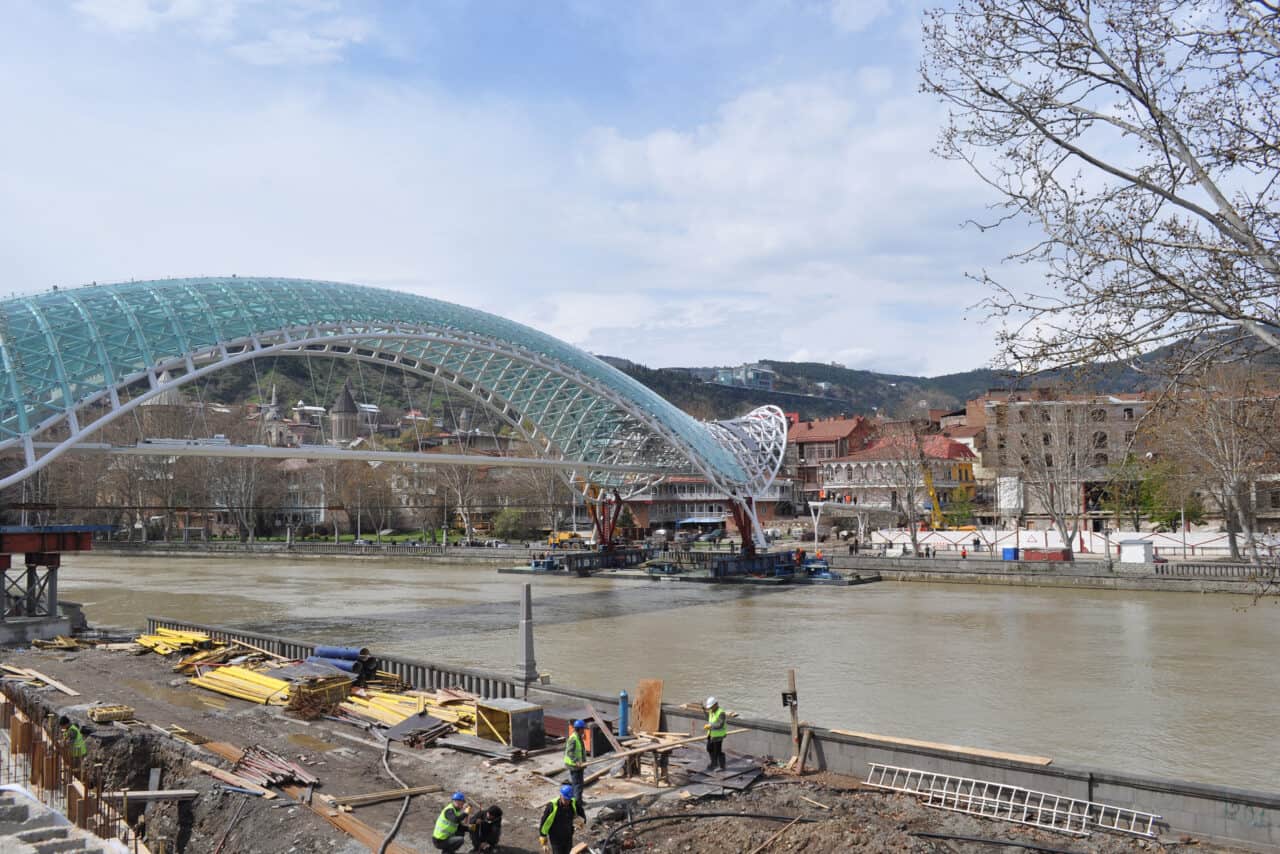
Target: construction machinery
pixel 936 520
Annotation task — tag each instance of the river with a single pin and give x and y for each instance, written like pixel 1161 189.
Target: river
pixel 1172 684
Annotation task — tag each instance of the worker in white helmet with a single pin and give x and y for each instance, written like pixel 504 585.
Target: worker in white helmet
pixel 716 730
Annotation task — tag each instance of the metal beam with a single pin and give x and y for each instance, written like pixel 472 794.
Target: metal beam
pixel 324 452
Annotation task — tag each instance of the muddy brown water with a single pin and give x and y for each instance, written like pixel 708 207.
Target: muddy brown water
pixel 1174 684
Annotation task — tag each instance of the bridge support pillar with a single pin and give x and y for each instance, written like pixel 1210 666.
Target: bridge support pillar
pixel 527 666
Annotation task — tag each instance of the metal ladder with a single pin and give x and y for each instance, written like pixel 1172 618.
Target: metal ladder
pixel 1010 803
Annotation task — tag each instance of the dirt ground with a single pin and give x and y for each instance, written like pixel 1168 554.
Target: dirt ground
pixel 348 761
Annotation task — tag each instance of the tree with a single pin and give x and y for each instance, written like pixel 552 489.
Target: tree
pixel 905 472
pixel 512 523
pixel 1220 425
pixel 463 485
pixel 1143 137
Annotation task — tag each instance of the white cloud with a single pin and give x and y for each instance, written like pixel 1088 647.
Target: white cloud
pixel 805 217
pixel 324 44
pixel 259 32
pixel 210 18
pixel 856 15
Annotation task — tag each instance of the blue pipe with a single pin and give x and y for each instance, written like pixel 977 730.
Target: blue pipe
pixel 340 663
pixel 350 653
pixel 624 714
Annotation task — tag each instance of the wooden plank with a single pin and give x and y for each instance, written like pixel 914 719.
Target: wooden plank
pixel 604 728
pixel 148 795
pixel 348 824
pixel 53 683
pixel 647 710
pixel 772 839
pixel 952 748
pixel 380 797
pixel 654 748
pixel 231 779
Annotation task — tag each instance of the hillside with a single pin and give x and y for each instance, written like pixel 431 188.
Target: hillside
pixel 811 389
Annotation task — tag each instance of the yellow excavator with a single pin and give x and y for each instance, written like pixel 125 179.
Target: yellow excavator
pixel 936 519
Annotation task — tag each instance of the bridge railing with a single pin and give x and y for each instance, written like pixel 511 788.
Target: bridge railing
pixel 1215 570
pixel 424 675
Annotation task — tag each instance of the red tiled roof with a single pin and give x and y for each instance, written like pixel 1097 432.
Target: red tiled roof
pixel 964 432
pixel 827 430
pixel 893 447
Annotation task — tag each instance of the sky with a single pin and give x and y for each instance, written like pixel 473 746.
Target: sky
pixel 669 182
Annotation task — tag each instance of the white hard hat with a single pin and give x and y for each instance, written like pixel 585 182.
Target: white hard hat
pixel 711 701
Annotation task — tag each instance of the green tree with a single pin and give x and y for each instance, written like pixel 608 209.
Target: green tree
pixel 513 524
pixel 959 510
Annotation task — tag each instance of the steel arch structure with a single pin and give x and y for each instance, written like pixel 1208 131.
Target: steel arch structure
pixel 67 358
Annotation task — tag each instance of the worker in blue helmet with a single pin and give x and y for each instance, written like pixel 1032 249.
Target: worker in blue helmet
pixel 575 757
pixel 452 824
pixel 555 831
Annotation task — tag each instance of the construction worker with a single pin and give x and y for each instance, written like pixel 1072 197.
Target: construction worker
pixel 487 830
pixel 448 835
pixel 575 757
pixel 555 831
pixel 73 738
pixel 716 730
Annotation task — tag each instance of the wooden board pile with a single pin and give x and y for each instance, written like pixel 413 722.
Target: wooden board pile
pixel 312 699
pixel 61 643
pixel 264 768
pixel 246 684
pixel 27 674
pixel 218 654
pixel 169 641
pixel 388 709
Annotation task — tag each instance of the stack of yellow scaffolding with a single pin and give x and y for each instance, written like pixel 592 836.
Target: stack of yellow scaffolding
pixel 168 641
pixel 246 684
pixel 390 709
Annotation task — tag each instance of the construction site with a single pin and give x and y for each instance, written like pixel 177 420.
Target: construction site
pixel 201 740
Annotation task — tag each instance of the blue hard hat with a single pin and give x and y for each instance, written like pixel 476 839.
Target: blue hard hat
pixel 579 724
pixel 458 796
pixel 566 791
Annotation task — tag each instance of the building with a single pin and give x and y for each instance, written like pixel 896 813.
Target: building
pixel 892 469
pixel 1040 441
pixel 810 444
pixel 752 375
pixel 693 501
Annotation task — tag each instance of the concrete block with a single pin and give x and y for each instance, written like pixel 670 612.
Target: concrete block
pixel 58 846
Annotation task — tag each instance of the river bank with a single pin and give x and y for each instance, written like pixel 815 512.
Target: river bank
pixel 1086 573
pixel 839 812
pixel 1135 680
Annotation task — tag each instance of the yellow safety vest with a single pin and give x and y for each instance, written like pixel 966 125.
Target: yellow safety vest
pixel 716 719
pixel 78 746
pixel 574 752
pixel 447 823
pixel 551 816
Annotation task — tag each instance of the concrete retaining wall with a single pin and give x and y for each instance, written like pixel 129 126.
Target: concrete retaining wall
pixel 1235 816
pixel 1081 574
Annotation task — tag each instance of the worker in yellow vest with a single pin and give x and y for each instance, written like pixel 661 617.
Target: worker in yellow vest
pixel 555 831
pixel 450 826
pixel 716 730
pixel 73 738
pixel 575 757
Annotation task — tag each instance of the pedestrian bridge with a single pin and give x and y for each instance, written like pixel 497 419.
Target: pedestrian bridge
pixel 74 360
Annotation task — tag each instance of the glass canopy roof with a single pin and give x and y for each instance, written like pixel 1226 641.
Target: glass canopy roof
pixel 65 355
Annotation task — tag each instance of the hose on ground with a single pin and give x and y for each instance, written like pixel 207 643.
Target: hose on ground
pixel 404 808
pixel 980 840
pixel 609 839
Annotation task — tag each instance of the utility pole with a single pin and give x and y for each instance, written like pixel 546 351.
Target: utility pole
pixel 789 698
